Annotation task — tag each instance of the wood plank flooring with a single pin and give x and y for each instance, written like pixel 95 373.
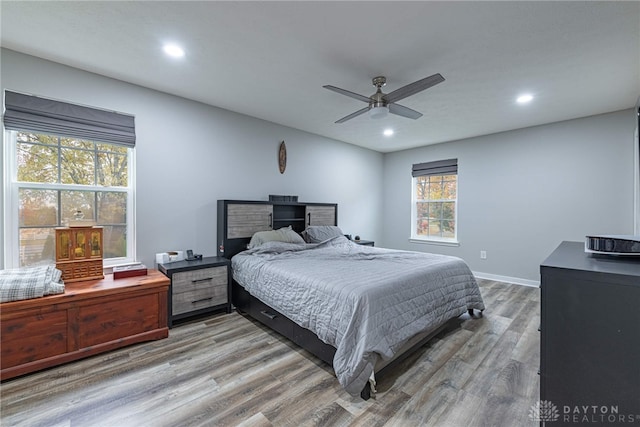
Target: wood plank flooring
pixel 226 370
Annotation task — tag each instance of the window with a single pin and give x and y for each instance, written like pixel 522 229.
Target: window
pixel 55 177
pixel 434 201
pixel 62 162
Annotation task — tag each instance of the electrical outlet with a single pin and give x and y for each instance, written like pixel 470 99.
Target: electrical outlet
pixel 483 254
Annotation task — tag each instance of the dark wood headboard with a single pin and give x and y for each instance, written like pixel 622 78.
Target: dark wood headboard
pixel 238 220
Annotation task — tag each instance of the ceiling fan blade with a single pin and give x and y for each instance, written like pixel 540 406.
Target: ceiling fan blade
pixel 348 93
pixel 352 115
pixel 404 111
pixel 413 88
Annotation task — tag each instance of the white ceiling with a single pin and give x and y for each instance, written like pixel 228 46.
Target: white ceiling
pixel 270 59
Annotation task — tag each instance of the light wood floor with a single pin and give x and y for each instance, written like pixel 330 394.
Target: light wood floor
pixel 226 370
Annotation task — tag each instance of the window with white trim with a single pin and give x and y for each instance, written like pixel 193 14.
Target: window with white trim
pixel 53 178
pixel 434 201
pixel 63 162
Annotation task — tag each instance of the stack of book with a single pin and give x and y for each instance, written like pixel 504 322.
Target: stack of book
pixel 129 271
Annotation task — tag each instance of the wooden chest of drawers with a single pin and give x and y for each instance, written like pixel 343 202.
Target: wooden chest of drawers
pixel 91 317
pixel 198 287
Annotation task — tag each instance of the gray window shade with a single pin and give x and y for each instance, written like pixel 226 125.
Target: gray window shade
pixel 440 167
pixel 35 114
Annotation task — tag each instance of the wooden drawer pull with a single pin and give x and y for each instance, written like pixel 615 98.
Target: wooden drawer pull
pixel 201 280
pixel 201 300
pixel 267 314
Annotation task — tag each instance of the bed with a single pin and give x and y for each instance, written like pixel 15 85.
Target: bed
pixel 359 308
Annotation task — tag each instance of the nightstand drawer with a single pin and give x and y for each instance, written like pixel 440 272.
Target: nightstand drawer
pixel 198 289
pixel 190 280
pixel 196 299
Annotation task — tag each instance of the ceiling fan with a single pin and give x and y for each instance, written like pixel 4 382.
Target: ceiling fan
pixel 382 103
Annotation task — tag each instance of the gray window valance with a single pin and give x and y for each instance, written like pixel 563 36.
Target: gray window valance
pixel 440 167
pixel 35 114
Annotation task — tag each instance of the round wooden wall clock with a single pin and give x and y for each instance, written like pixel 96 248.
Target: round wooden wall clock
pixel 282 157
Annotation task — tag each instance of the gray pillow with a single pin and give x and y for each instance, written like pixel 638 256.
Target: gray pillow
pixel 284 234
pixel 320 233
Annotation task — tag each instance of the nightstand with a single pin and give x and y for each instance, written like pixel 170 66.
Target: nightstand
pixel 198 287
pixel 364 242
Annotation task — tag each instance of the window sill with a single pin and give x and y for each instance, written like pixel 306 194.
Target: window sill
pixel 435 242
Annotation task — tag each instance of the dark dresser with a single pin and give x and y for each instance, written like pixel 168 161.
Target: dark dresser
pixel 590 337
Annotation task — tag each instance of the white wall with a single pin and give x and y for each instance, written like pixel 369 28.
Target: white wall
pixel 189 155
pixel 522 192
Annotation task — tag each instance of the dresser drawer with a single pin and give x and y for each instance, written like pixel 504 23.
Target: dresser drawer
pixel 198 289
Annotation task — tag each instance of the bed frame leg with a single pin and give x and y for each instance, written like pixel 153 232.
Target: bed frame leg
pixel 365 394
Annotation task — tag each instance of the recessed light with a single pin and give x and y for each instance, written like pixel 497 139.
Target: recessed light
pixel 388 132
pixel 524 99
pixel 173 50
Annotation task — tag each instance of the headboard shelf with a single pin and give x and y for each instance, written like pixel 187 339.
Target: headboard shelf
pixel 238 220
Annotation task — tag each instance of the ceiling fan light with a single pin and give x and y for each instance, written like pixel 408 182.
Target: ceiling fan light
pixel 378 112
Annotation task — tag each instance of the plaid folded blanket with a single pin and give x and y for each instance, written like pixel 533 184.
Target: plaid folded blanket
pixel 30 282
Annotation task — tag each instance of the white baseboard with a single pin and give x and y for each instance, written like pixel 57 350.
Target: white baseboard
pixel 514 280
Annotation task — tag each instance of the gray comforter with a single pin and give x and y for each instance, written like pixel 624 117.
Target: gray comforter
pixel 365 301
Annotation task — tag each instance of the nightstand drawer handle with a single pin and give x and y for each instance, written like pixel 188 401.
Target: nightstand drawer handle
pixel 201 280
pixel 267 314
pixel 201 300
